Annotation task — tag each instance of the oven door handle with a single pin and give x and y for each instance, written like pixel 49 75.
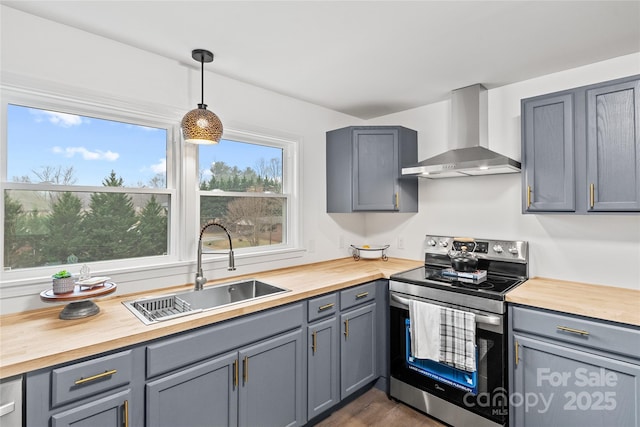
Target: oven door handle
pixel 480 318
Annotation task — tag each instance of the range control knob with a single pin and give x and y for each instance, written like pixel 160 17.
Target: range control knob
pixel 513 251
pixel 497 249
pixel 431 242
pixel 444 243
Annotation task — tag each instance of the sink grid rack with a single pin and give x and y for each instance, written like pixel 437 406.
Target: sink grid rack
pixel 162 308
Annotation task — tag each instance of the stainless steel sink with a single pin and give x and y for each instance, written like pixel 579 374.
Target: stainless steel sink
pixel 158 308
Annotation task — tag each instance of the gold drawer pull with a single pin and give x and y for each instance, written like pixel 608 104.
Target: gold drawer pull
pixel 235 373
pixel 314 342
pixel 592 190
pixel 245 370
pixel 126 413
pixel 325 307
pixel 572 330
pixel 346 328
pixel 528 196
pixel 362 295
pixel 96 377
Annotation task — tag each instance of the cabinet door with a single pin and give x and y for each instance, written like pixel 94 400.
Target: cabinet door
pixel 556 385
pixel 375 169
pixel 613 147
pixel 203 395
pixel 548 154
pixel 271 386
pixel 357 349
pixel 111 411
pixel 323 389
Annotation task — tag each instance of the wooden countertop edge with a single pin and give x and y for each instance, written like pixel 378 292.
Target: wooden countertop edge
pixel 615 304
pixel 135 332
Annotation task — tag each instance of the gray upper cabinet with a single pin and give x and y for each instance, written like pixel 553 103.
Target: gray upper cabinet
pixel 549 178
pixel 613 147
pixel 364 165
pixel 581 149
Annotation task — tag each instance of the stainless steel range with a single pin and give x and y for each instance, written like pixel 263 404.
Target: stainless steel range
pixel 477 393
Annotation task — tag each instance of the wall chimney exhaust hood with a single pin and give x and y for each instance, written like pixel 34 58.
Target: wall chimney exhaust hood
pixel 470 155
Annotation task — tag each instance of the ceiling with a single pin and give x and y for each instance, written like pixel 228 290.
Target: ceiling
pixel 365 58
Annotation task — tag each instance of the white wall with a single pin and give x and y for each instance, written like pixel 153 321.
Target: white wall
pixel 602 249
pixel 561 246
pixel 39 49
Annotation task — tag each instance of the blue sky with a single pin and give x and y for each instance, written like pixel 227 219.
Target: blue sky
pixel 94 147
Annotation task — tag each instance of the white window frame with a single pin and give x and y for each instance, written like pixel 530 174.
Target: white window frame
pixel 178 266
pixel 289 190
pixel 48 96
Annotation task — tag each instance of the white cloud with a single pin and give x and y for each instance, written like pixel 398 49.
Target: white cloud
pixel 160 167
pixel 108 155
pixel 59 119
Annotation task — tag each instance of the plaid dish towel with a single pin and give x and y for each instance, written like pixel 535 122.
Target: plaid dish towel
pixel 458 339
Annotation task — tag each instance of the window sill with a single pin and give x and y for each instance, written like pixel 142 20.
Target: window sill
pixel 159 275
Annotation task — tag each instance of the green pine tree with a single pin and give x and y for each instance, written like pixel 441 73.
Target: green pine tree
pixel 12 212
pixel 152 229
pixel 64 233
pixel 109 226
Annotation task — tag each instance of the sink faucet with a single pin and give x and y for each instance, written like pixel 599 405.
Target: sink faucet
pixel 200 279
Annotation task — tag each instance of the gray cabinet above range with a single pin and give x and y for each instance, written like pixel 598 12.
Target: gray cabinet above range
pixel 364 169
pixel 581 149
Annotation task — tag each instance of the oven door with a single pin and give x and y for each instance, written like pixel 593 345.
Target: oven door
pixel 482 392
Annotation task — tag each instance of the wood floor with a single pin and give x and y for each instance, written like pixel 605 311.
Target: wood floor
pixel 374 409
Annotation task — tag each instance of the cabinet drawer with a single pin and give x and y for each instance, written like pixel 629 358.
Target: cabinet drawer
pixel 576 330
pixel 91 377
pixel 358 295
pixel 322 306
pixel 191 347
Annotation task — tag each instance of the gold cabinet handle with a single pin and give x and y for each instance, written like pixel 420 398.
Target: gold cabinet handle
pixel 397 205
pixel 245 370
pixel 235 373
pixel 517 346
pixel 96 377
pixel 592 191
pixel 362 295
pixel 346 328
pixel 126 413
pixel 326 306
pixel 572 330
pixel 528 196
pixel 315 342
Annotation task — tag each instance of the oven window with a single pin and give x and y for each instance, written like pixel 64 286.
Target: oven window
pixel 483 392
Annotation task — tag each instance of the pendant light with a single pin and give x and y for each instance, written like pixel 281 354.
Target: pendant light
pixel 201 126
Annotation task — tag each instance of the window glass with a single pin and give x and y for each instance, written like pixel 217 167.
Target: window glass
pixel 242 187
pixel 59 148
pixel 81 189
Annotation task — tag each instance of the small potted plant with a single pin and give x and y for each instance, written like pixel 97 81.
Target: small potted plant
pixel 63 283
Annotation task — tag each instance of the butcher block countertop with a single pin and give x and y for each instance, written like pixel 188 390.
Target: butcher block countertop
pixel 601 302
pixel 36 339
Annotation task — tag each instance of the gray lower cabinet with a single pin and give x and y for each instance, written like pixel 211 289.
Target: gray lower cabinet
pixel 271 388
pixel 581 149
pixel 110 411
pixel 256 370
pixel 323 359
pixel 364 169
pixel 205 394
pixel 104 391
pixel 570 371
pixel 358 349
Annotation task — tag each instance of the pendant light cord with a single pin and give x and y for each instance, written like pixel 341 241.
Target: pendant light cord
pixel 202 81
